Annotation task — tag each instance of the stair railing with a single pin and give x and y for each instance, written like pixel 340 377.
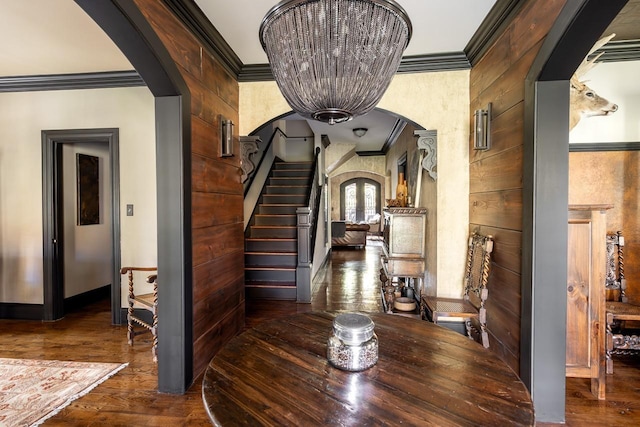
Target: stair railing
pixel 307 220
pixel 259 156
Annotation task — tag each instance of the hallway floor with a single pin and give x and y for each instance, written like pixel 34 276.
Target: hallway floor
pixel 350 282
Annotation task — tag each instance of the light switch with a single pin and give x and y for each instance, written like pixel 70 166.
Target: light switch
pixel 129 210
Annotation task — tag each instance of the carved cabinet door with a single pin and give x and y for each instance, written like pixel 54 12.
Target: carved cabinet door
pixel 585 296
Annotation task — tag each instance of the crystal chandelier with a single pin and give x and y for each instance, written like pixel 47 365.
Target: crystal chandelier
pixel 334 59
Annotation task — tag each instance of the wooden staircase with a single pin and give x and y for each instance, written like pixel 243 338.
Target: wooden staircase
pixel 271 241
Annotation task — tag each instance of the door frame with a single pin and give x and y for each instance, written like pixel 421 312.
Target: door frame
pixel 132 32
pixel 545 201
pixel 359 195
pixel 52 141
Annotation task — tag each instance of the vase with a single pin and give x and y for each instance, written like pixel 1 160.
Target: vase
pixel 401 190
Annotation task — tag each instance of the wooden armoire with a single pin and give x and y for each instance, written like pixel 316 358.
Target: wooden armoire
pixel 586 269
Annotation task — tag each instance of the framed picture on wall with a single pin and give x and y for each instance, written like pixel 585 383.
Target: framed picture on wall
pixel 88 189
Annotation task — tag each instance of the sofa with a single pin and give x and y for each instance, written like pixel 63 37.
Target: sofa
pixel 345 234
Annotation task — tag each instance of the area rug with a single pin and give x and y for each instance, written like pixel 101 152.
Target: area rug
pixel 33 390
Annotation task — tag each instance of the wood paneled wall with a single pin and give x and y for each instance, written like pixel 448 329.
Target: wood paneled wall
pixel 612 177
pixel 217 193
pixel 495 199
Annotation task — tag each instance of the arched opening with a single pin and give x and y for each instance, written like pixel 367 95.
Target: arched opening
pixel 359 199
pixel 133 35
pixel 372 158
pixel 545 177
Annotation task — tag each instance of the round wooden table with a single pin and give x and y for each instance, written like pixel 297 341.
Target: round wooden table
pixel 278 374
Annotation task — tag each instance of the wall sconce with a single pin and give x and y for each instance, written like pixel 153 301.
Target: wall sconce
pixel 226 137
pixel 482 127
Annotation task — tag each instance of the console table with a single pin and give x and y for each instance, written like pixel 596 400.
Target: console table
pixel 404 241
pixel 278 374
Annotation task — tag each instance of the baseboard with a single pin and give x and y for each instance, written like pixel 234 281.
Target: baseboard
pixel 80 301
pixel 317 278
pixel 10 310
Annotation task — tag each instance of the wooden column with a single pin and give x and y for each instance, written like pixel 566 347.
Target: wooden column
pixel 303 271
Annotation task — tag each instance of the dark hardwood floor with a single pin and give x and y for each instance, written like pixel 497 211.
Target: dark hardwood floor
pixel 350 282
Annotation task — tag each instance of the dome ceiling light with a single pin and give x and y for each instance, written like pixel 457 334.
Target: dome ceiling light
pixel 360 132
pixel 334 59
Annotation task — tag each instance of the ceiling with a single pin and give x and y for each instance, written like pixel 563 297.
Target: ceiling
pixel 42 37
pixel 438 25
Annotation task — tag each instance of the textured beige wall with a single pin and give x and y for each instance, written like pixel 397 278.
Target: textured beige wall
pixel 438 101
pixel 337 154
pixel 337 180
pixel 373 164
pixel 260 102
pixel 88 252
pixel 23 116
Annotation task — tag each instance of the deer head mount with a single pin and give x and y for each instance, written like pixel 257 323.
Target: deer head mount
pixel 584 101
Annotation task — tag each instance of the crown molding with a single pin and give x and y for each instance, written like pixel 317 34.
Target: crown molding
pixel 191 15
pixel 197 22
pixel 493 24
pixel 255 73
pixel 370 153
pixel 618 51
pixel 102 80
pixel 450 61
pixel 393 135
pixel 605 146
pixel 410 64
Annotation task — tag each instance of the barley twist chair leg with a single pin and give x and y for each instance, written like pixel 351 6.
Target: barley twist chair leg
pixel 154 349
pixel 130 325
pixel 609 345
pixel 467 324
pixel 154 331
pixel 130 333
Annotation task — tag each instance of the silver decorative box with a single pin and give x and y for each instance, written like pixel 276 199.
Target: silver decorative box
pixel 352 345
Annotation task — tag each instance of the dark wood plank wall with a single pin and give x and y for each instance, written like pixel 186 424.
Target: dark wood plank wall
pixel 612 177
pixel 495 199
pixel 217 194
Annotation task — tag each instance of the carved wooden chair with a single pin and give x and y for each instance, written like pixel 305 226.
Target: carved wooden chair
pixel 620 340
pixel 145 301
pixel 471 307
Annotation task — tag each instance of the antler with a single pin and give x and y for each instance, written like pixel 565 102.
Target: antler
pixel 587 64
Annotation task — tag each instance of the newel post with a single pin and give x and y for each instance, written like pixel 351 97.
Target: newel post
pixel 303 271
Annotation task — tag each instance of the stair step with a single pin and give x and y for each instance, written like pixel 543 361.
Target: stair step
pixel 284 181
pixel 257 259
pixel 273 232
pixel 294 165
pixel 271 249
pixel 284 199
pixel 278 208
pixel 287 189
pixel 297 173
pixel 258 284
pixel 271 245
pixel 286 291
pixel 276 219
pixel 270 274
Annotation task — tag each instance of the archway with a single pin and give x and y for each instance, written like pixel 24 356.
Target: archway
pixel 133 35
pixel 545 178
pixel 382 166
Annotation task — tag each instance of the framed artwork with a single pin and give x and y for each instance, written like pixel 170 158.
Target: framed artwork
pixel 88 189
